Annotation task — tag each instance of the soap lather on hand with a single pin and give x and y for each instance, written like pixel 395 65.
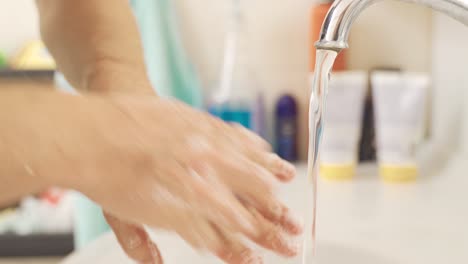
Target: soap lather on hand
pixel 145 160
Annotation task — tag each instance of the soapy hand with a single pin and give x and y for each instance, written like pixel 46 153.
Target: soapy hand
pixel 165 165
pixel 151 161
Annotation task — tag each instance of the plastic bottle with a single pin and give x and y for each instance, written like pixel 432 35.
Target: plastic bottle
pixel 400 110
pixel 233 100
pixel 343 122
pixel 286 128
pixel 258 117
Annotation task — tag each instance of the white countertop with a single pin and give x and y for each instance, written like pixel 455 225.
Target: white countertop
pixel 363 221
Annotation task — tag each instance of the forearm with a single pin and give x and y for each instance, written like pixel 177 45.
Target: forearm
pixel 95 43
pixel 16 176
pixel 34 130
pixel 16 179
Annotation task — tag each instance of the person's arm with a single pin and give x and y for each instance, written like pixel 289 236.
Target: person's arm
pixel 96 44
pixel 26 119
pixel 16 176
pixel 130 156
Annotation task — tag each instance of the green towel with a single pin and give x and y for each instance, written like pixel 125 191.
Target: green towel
pixel 170 70
pixel 89 222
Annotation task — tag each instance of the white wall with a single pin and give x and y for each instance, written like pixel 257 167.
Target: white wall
pixel 392 34
pixel 18 24
pixel 450 54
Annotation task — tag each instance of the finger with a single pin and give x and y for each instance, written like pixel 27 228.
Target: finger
pixel 244 176
pixel 259 151
pixel 209 196
pixel 274 238
pixel 234 251
pixel 219 204
pixel 249 138
pixel 277 213
pixel 199 234
pixel 202 235
pixel 283 170
pixel 253 185
pixel 135 241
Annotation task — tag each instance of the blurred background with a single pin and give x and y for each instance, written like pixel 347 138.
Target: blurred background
pixel 190 47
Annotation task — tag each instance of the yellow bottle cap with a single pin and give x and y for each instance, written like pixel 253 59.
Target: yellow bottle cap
pixel 5 213
pixel 34 57
pixel 337 172
pixel 398 173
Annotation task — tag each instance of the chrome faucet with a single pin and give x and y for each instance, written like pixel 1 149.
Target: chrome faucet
pixel 337 24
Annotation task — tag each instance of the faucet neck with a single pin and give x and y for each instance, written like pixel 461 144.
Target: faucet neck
pixel 342 14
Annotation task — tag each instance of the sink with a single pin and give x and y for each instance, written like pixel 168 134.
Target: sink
pixel 106 250
pixel 363 221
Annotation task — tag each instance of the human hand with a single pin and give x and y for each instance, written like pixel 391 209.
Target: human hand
pixel 162 164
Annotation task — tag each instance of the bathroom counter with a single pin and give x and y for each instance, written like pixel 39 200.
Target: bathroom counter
pixel 363 221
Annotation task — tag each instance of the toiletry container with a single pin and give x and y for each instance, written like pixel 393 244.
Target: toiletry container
pixel 233 99
pixel 286 128
pixel 259 116
pixel 342 126
pixel 400 111
pixel 238 107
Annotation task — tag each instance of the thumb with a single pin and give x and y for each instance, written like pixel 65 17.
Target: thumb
pixel 135 241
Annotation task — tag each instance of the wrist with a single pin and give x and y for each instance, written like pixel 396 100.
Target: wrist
pixel 113 76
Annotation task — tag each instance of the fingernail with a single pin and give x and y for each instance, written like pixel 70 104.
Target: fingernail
pixel 133 242
pixel 156 255
pixel 276 209
pixel 295 223
pixel 295 245
pixel 284 244
pixel 288 169
pixel 292 245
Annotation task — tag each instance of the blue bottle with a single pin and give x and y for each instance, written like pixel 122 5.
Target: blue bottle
pixel 233 112
pixel 233 98
pixel 286 128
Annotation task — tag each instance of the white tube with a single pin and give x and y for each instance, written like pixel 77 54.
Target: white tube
pixel 400 106
pixel 343 119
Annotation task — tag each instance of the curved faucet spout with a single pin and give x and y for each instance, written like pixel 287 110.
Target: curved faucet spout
pixel 338 22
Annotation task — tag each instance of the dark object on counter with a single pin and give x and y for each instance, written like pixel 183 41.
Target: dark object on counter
pixel 36 245
pixel 27 79
pixel 367 144
pixel 27 74
pixel 286 128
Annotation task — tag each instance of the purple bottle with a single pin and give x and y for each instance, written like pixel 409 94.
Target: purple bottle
pixel 286 128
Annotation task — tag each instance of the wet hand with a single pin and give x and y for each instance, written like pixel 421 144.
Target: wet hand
pixel 165 165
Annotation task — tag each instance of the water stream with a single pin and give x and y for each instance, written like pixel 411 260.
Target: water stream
pixel 324 64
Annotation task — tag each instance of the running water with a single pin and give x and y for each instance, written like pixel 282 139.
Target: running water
pixel 324 63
